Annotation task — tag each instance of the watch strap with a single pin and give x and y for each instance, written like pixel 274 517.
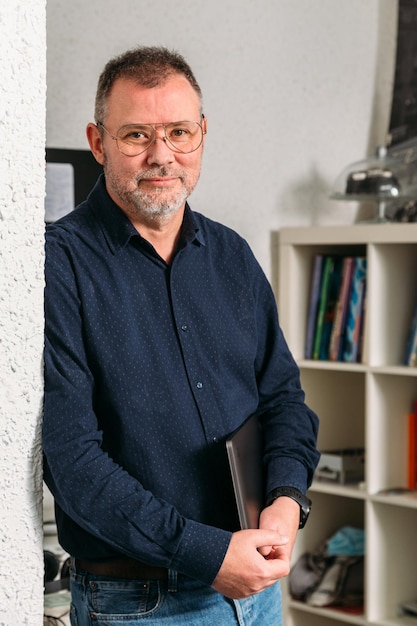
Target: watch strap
pixel 291 492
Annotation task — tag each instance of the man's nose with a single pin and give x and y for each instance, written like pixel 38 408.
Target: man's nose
pixel 159 151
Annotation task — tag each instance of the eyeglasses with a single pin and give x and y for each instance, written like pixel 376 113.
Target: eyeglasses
pixel 133 139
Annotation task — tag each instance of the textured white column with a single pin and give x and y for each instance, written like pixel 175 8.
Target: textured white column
pixel 22 183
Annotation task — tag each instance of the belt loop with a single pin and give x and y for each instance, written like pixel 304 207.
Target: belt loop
pixel 75 574
pixel 73 566
pixel 172 581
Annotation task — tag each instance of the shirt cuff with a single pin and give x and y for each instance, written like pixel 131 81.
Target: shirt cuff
pixel 201 552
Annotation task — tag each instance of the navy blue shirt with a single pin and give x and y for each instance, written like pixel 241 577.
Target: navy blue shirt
pixel 148 368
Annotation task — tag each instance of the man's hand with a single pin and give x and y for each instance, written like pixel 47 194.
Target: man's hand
pixel 256 559
pixel 283 516
pixel 245 570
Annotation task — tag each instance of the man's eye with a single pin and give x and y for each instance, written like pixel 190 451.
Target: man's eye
pixel 181 134
pixel 135 135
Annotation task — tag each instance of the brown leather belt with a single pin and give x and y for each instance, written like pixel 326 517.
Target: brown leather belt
pixel 123 568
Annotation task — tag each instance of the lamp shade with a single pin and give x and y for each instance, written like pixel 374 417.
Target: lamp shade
pixel 381 177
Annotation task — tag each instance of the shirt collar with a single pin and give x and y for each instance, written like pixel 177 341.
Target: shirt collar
pixel 118 229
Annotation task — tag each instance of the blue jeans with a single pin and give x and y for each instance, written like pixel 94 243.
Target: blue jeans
pixel 103 601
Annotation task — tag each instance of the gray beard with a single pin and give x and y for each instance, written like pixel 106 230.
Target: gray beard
pixel 151 208
pixel 148 206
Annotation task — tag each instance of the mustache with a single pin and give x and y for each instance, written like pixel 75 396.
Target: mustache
pixel 160 172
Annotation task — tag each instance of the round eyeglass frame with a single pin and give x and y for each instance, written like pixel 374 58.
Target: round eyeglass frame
pixel 154 137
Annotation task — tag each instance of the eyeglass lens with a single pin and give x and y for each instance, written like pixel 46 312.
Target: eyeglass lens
pixel 181 136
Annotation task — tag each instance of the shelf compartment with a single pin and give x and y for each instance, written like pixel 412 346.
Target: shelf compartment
pixel 391 300
pixel 329 513
pixel 392 550
pixel 295 269
pixel 390 399
pixel 338 398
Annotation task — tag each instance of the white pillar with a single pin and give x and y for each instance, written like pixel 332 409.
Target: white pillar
pixel 22 184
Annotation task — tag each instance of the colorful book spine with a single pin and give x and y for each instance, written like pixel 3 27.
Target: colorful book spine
pixel 411 349
pixel 412 449
pixel 330 308
pixel 336 337
pixel 313 305
pixel 363 340
pixel 325 282
pixel 412 361
pixel 354 319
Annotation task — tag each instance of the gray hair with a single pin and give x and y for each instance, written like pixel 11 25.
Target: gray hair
pixel 148 66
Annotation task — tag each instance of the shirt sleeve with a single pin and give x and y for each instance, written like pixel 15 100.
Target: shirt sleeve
pixel 90 487
pixel 290 427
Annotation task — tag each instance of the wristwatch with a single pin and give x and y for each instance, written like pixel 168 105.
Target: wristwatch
pixel 295 494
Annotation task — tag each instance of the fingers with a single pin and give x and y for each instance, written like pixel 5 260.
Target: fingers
pixel 265 542
pixel 252 563
pixel 272 552
pixel 265 537
pixel 272 543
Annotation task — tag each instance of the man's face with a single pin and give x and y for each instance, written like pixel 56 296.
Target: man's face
pixel 156 183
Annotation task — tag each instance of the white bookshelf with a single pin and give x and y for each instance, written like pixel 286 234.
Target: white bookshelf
pixel 360 405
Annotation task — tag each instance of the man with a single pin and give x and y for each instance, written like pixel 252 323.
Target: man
pixel 162 338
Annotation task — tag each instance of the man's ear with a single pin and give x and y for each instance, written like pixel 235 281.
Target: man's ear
pixel 95 141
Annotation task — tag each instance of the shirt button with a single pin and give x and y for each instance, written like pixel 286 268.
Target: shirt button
pixel 199 385
pixel 215 440
pixel 184 327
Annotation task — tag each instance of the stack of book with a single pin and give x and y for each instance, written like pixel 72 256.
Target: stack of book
pixel 410 357
pixel 337 305
pixel 412 448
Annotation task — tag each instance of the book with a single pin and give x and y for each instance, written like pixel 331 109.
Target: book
pixel 330 307
pixel 363 330
pixel 410 357
pixel 412 449
pixel 338 329
pixel 328 264
pixel 315 283
pixel 412 361
pixel 354 320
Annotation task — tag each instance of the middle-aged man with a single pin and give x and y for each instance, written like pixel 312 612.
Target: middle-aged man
pixel 162 338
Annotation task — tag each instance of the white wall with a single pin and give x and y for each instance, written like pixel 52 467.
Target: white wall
pixel 311 80
pixel 22 174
